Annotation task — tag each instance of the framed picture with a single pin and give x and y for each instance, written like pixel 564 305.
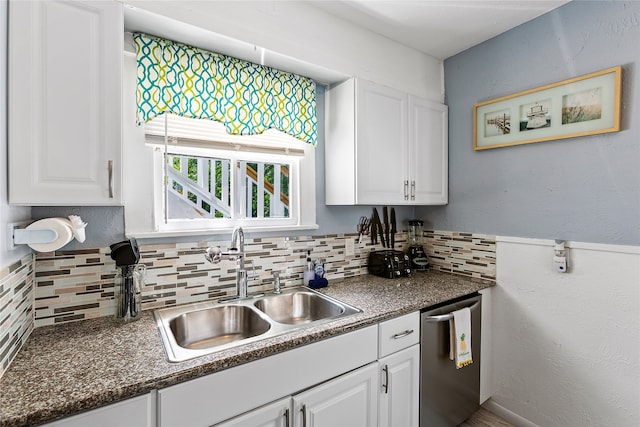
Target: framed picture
pixel 581 106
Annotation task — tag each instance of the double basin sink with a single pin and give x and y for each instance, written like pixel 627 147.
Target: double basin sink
pixel 199 329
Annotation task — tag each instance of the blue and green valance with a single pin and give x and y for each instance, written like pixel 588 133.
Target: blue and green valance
pixel 248 98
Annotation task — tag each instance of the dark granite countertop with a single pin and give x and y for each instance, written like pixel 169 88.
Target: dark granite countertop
pixel 66 369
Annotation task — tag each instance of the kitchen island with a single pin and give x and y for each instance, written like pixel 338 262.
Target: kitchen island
pixel 67 369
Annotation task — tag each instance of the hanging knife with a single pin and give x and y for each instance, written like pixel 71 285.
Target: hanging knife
pixel 373 230
pixel 385 217
pixel 379 226
pixel 393 228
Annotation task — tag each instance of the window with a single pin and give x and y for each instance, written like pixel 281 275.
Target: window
pixel 202 187
pixel 210 179
pixel 214 181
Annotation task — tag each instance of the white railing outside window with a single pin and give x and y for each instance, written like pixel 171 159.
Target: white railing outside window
pixel 202 188
pixel 200 185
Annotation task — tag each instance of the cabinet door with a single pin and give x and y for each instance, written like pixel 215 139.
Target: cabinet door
pixel 276 414
pixel 400 389
pixel 138 411
pixel 65 77
pixel 381 149
pixel 428 145
pixel 349 400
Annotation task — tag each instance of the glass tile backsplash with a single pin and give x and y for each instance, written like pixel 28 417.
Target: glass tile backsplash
pixel 77 285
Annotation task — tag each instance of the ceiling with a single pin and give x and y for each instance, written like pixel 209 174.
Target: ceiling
pixel 440 28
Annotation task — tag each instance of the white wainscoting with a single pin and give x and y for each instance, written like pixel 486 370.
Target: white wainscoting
pixel 566 346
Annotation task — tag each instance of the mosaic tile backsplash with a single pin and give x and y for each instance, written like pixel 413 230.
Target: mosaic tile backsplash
pixel 16 308
pixel 470 254
pixel 77 285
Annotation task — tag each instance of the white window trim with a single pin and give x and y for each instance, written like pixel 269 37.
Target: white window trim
pixel 199 224
pixel 140 174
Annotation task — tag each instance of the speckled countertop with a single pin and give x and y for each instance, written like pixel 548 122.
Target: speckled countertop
pixel 66 369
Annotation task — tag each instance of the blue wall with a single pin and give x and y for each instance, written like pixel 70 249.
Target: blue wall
pixel 581 189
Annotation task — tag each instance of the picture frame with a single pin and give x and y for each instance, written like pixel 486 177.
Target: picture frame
pixel 580 106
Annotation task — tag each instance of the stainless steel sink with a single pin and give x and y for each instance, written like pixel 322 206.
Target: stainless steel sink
pixel 198 329
pixel 300 307
pixel 216 326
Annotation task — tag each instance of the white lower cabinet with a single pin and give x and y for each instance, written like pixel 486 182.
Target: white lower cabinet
pixel 399 364
pixel 276 414
pixel 398 405
pixel 138 411
pixel 384 393
pixel 214 398
pixel 349 400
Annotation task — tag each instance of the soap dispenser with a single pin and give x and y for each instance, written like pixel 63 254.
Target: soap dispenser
pixel 309 271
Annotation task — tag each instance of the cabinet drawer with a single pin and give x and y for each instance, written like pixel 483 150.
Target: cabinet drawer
pixel 398 333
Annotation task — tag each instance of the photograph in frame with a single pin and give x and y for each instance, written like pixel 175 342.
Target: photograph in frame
pixel 580 106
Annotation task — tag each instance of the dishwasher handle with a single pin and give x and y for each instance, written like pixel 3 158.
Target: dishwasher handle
pixel 448 316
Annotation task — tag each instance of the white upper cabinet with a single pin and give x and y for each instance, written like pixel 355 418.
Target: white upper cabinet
pixel 381 161
pixel 384 146
pixel 428 148
pixel 65 112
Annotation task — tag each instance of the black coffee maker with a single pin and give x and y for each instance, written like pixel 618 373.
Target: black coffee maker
pixel 415 239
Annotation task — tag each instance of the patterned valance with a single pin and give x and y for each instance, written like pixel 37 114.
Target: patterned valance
pixel 248 98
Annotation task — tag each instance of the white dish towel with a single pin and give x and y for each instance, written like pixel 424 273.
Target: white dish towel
pixel 460 337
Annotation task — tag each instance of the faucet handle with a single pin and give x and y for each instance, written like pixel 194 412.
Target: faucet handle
pixel 213 254
pixel 276 283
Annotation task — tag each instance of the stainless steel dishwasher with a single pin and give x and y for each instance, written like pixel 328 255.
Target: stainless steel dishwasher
pixel 448 396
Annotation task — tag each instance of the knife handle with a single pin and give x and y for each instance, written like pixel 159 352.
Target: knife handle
pixel 379 226
pixel 374 230
pixel 394 228
pixel 385 216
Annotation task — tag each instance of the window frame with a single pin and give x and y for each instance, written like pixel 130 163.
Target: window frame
pixel 139 169
pixel 172 225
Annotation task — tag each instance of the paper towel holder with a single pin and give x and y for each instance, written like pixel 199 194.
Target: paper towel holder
pixel 17 234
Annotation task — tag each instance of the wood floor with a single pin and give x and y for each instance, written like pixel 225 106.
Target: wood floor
pixel 484 418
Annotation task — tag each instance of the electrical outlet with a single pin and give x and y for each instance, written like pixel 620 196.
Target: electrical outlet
pixel 349 247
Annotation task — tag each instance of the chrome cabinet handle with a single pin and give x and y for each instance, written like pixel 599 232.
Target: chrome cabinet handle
pixel 413 190
pixel 402 334
pixel 385 386
pixel 303 409
pixel 110 166
pixel 406 189
pixel 286 418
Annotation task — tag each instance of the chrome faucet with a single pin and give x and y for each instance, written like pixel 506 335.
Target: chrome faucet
pixel 214 255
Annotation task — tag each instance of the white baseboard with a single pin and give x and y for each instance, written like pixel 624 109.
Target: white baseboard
pixel 507 415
